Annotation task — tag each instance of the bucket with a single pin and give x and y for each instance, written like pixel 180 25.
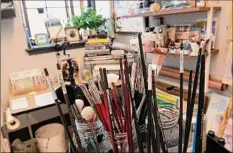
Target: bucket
pixel 51 138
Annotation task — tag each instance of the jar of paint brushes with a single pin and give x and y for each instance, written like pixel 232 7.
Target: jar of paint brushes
pixel 93 136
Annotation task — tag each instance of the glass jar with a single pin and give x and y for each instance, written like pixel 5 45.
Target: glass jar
pixel 93 137
pixel 122 142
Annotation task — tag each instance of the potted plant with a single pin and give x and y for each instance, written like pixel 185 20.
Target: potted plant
pixel 89 20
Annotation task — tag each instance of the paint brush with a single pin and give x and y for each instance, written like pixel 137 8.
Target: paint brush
pixel 134 114
pixel 160 137
pixel 187 111
pixel 149 125
pixel 144 73
pixel 68 104
pixel 200 113
pixel 181 99
pixel 63 120
pixel 119 102
pixel 155 117
pixel 109 110
pixel 192 101
pixel 125 99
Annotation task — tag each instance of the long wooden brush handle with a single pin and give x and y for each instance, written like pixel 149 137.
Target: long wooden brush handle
pixel 156 116
pixel 63 120
pixel 68 104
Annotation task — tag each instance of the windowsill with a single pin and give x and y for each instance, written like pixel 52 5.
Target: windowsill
pixel 49 49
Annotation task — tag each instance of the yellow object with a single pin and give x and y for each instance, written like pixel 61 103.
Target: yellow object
pixel 226 116
pixel 98 40
pixel 32 93
pixel 169 98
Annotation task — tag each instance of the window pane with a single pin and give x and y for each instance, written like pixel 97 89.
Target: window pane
pixel 77 11
pixel 55 3
pixel 59 13
pixel 35 4
pixel 103 8
pixel 36 22
pixel 76 3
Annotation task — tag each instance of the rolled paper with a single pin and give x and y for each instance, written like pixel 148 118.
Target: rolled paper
pixel 214 84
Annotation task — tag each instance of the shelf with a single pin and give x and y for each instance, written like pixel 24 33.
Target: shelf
pixel 51 48
pixel 213 52
pixel 7 13
pixel 171 12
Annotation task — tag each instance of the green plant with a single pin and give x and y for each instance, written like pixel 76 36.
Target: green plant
pixel 88 19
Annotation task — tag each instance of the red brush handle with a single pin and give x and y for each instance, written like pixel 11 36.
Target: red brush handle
pixel 101 115
pixel 117 109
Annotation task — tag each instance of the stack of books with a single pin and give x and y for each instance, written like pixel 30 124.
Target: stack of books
pixel 97 47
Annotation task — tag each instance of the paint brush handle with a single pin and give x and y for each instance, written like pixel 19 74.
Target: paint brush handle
pixel 156 116
pixel 181 100
pixel 193 96
pixel 63 120
pixel 68 104
pixel 187 111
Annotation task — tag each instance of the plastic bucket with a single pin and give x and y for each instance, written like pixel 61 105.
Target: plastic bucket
pixel 51 138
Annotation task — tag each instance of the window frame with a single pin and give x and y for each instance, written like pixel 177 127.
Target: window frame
pixel 68 4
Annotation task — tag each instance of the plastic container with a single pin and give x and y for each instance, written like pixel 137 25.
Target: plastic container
pixel 51 138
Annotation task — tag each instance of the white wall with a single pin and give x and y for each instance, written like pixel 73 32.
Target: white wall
pixel 14 58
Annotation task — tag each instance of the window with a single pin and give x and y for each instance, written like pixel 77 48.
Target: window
pixel 35 13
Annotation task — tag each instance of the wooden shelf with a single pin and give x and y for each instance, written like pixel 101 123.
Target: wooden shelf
pixel 171 12
pixel 213 52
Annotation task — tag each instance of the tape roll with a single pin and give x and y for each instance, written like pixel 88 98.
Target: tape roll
pixel 11 121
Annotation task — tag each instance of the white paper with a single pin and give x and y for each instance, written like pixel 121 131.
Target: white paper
pixel 19 104
pixel 44 99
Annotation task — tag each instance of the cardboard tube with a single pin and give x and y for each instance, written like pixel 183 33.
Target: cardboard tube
pixel 173 73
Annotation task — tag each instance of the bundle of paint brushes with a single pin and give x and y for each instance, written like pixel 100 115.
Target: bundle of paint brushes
pixel 117 111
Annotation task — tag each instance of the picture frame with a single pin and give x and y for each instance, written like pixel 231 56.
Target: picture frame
pixel 72 34
pixel 41 39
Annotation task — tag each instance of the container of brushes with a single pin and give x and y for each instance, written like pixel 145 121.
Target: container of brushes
pixel 93 136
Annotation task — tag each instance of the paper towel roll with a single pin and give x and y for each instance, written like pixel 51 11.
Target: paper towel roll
pixel 11 121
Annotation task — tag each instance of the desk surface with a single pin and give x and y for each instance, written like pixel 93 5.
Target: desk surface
pixel 31 101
